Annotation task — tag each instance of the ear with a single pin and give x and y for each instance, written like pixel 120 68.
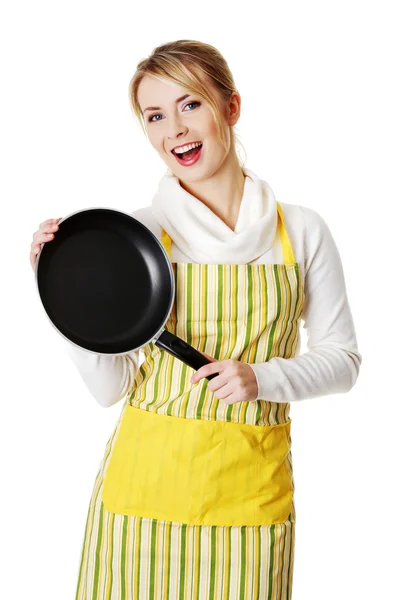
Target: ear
pixel 234 108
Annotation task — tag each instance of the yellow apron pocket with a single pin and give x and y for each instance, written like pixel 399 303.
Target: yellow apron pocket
pixel 199 472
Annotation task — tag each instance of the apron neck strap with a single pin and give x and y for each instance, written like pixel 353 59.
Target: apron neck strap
pixel 288 255
pixel 166 242
pixel 287 250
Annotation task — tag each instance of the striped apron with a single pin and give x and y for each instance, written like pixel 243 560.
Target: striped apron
pixel 194 498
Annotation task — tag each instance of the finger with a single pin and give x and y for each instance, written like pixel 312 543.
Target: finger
pixel 214 367
pixel 42 237
pixel 225 390
pixel 49 227
pixel 49 222
pixel 37 244
pixel 45 223
pixel 231 399
pixel 216 383
pixel 33 256
pixel 35 249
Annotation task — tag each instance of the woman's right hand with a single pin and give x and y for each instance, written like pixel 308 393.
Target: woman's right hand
pixel 44 234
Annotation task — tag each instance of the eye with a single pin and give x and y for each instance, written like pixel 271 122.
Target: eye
pixel 191 103
pixel 152 120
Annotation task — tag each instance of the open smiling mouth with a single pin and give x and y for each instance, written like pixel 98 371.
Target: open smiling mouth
pixel 190 157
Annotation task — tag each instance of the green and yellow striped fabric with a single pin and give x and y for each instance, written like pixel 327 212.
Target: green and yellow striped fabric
pixel 246 312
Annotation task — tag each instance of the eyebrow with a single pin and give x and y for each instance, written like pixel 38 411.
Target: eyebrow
pixel 159 107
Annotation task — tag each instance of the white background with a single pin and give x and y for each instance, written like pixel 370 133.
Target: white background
pixel 320 122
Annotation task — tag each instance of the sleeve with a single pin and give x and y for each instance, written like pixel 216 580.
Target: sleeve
pixel 108 377
pixel 332 362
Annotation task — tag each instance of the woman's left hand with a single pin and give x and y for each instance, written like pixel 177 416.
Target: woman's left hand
pixel 236 381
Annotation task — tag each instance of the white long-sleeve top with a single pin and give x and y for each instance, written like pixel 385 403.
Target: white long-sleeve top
pixel 332 361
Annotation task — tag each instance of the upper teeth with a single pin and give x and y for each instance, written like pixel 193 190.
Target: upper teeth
pixel 186 148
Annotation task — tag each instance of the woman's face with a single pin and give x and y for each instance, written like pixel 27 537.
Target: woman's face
pixel 180 121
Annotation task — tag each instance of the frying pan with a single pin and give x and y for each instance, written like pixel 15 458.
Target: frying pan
pixel 107 285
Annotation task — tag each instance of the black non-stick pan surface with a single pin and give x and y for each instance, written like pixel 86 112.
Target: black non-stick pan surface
pixel 107 285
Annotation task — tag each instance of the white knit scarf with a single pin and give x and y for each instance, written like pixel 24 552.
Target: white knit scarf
pixel 203 236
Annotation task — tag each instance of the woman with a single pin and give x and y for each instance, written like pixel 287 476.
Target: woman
pixel 194 497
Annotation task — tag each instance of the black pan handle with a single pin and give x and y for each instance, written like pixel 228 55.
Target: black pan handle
pixel 182 350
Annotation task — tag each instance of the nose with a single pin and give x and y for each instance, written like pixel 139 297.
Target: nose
pixel 175 128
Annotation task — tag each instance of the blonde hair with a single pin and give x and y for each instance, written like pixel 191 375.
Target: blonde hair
pixel 182 62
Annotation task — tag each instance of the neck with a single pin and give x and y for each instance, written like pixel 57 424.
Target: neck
pixel 223 191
